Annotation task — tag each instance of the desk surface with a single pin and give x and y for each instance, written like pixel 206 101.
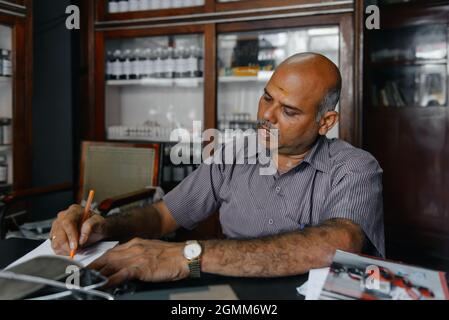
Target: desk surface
pixel 244 288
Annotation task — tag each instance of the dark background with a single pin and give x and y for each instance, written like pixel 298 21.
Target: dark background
pixel 55 104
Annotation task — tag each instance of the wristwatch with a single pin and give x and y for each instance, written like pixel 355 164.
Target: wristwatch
pixel 192 252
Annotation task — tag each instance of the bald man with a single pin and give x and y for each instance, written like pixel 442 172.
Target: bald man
pixel 325 195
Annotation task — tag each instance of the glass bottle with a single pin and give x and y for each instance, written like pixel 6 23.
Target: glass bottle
pixel 6 65
pixel 109 65
pixel 147 64
pixel 192 63
pixel 176 63
pixel 170 63
pixel 165 4
pixel 155 4
pixel 126 65
pixel 113 6
pixel 123 6
pixel 158 64
pixel 200 62
pixel 3 169
pixel 134 5
pixel 177 3
pixel 185 62
pixel 144 5
pixel 134 60
pixel 116 65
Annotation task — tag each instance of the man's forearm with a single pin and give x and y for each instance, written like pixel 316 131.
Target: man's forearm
pixel 138 222
pixel 288 254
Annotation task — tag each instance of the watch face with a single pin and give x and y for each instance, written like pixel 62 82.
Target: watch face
pixel 192 251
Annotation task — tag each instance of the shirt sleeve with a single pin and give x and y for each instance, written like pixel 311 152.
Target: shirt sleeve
pixel 356 195
pixel 196 197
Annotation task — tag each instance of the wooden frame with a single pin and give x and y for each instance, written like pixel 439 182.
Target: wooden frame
pixel 86 144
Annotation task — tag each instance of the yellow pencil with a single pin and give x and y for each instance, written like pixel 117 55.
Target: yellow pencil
pixel 86 216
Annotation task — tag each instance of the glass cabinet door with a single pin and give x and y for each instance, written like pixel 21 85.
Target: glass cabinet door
pixel 154 85
pixel 247 60
pixel 6 107
pixel 408 67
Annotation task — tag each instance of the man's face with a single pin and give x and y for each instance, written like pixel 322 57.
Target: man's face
pixel 290 103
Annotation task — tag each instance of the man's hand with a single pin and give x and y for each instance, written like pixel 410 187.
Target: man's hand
pixel 145 260
pixel 66 233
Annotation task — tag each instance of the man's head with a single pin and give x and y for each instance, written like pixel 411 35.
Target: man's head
pixel 300 99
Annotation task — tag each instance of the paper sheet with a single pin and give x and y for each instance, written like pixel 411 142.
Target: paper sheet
pixel 312 288
pixel 83 256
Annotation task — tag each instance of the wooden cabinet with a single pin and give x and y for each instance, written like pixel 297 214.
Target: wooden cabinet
pixel 405 126
pixel 15 93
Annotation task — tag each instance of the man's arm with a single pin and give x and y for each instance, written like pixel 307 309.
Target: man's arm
pixel 283 255
pixel 149 222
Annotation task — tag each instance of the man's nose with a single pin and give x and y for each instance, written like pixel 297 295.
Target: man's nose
pixel 270 114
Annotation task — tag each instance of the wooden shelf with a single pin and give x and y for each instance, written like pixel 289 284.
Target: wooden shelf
pixel 390 63
pixel 5 79
pixel 155 82
pixel 5 148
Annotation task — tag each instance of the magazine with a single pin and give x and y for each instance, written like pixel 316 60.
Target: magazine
pixel 353 276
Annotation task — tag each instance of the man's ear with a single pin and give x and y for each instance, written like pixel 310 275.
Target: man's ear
pixel 327 122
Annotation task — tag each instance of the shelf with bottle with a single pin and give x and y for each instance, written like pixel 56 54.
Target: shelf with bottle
pixel 5 65
pixel 162 66
pixel 123 6
pixel 409 86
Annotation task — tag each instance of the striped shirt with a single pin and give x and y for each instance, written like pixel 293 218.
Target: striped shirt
pixel 335 180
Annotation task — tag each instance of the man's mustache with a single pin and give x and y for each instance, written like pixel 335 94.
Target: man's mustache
pixel 264 124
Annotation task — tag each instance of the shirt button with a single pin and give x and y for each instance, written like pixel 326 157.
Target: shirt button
pixel 270 221
pixel 278 189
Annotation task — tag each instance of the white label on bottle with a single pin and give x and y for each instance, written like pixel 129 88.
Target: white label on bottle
pixel 126 67
pixel 3 174
pixel 109 68
pixel 184 65
pixel 136 67
pixel 133 5
pixel 113 7
pixel 177 65
pixel 148 66
pixel 155 4
pixel 123 6
pixel 7 68
pixel 201 64
pixel 117 68
pixel 159 66
pixel 7 134
pixel 177 3
pixel 144 5
pixel 170 65
pixel 165 4
pixel 192 63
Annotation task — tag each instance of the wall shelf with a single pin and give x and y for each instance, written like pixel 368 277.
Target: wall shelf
pixel 155 82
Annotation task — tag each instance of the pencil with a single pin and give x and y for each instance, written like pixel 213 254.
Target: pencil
pixel 86 215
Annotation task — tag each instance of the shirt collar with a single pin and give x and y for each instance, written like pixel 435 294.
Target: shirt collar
pixel 318 157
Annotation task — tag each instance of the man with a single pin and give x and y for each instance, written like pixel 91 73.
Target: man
pixel 326 195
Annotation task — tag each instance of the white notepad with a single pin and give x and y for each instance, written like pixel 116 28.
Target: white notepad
pixel 83 256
